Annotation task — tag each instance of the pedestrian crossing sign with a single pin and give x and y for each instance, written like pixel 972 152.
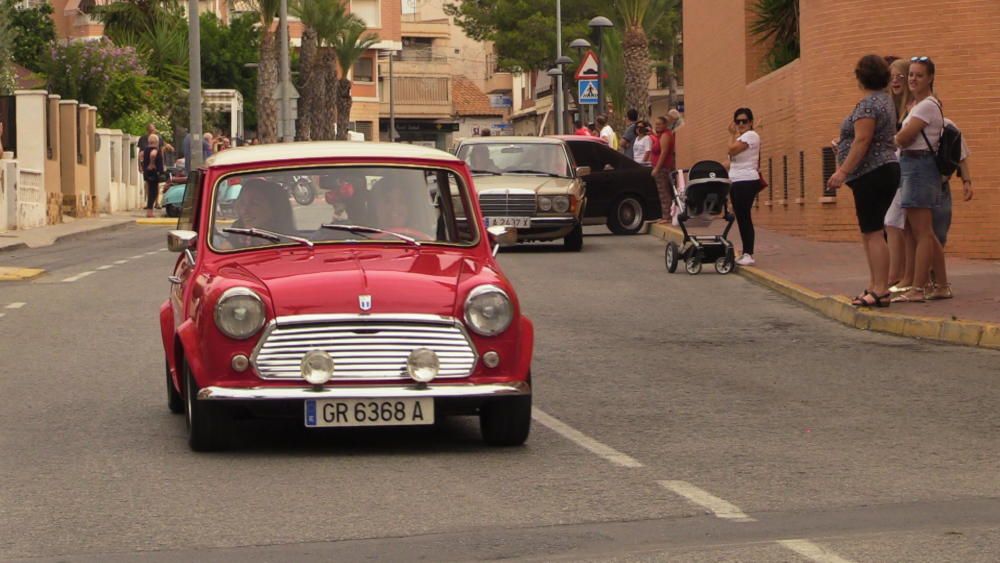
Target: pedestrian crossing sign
pixel 587 93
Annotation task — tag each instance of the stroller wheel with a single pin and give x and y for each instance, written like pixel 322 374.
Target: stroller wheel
pixel 724 265
pixel 671 256
pixel 693 265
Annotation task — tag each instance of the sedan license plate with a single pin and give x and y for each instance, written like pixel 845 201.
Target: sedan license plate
pixel 516 222
pixel 326 413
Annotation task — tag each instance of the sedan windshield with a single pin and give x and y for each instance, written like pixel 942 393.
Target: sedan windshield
pixel 381 204
pixel 516 158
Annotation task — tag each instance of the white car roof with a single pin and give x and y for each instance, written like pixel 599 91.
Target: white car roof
pixel 324 149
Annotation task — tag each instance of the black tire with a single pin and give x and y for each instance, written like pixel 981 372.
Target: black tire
pixel 303 192
pixel 205 423
pixel 671 256
pixel 172 210
pixel 692 265
pixel 174 400
pixel 627 216
pixel 727 263
pixel 506 422
pixel 574 240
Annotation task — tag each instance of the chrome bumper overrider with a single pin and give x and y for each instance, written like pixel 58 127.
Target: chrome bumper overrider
pixel 441 390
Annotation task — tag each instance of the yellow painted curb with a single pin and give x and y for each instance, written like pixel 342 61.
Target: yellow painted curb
pixel 19 274
pixel 990 337
pixel 156 221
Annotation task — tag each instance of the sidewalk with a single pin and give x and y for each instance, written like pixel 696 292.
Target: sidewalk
pixel 822 275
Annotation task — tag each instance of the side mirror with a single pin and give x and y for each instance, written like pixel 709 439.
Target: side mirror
pixel 501 236
pixel 582 171
pixel 179 241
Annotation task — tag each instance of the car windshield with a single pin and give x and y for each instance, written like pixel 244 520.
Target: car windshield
pixel 516 158
pixel 381 204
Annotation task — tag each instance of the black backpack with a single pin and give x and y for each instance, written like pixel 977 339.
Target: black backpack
pixel 949 151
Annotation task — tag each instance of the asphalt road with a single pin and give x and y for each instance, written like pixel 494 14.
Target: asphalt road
pixel 680 418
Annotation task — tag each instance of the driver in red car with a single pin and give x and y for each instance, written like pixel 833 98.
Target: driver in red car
pixel 398 209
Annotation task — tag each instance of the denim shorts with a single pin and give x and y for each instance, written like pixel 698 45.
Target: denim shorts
pixel 921 181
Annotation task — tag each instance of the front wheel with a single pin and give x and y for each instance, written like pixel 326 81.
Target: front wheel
pixel 506 422
pixel 303 192
pixel 693 265
pixel 205 424
pixel 174 400
pixel 626 217
pixel 725 264
pixel 671 256
pixel 574 240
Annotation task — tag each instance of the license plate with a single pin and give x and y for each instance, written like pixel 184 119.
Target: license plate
pixel 517 222
pixel 325 413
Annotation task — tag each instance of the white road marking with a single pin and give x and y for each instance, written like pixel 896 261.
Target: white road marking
pixel 2 315
pixel 16 305
pixel 136 257
pixel 77 277
pixel 162 250
pixel 119 262
pixel 105 267
pixel 719 507
pixel 813 552
pixel 581 439
pixel 150 253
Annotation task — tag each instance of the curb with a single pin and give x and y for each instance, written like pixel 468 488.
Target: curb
pixel 19 274
pixel 96 230
pixel 839 308
pixel 158 221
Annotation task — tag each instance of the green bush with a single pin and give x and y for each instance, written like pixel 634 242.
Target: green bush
pixel 135 123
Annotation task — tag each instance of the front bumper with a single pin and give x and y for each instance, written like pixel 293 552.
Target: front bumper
pixel 433 390
pixel 548 228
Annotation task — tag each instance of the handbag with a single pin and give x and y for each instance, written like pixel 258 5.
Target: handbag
pixel 762 183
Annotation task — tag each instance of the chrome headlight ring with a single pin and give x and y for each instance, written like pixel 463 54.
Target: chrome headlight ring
pixel 560 204
pixel 545 203
pixel 488 310
pixel 239 313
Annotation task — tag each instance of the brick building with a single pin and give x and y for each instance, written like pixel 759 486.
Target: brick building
pixel 800 106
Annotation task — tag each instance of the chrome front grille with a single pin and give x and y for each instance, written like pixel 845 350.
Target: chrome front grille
pixel 370 347
pixel 508 204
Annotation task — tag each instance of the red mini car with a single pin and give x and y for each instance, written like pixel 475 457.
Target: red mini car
pixel 378 304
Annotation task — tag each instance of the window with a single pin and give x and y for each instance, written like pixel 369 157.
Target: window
pixel 188 220
pixel 368 10
pixel 364 70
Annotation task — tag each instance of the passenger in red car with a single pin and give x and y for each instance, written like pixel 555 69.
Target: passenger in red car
pixel 398 210
pixel 262 204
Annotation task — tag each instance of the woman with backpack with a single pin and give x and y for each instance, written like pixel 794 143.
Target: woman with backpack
pixel 918 140
pixel 152 169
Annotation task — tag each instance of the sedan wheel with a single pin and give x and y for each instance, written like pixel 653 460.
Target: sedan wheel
pixel 574 240
pixel 204 421
pixel 627 217
pixel 506 422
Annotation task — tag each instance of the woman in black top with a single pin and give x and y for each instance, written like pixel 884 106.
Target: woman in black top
pixel 152 168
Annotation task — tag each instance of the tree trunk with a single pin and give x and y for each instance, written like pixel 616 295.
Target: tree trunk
pixel 344 102
pixel 326 114
pixel 307 76
pixel 267 82
pixel 637 71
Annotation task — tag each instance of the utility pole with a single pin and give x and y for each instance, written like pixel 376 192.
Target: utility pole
pixel 193 149
pixel 560 101
pixel 392 100
pixel 283 72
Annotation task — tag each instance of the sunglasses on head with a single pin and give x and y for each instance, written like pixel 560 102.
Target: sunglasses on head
pixel 919 59
pixel 742 121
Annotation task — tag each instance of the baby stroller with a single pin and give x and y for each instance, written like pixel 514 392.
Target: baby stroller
pixel 704 190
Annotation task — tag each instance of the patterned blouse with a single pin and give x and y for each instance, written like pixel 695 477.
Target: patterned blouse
pixel 882 150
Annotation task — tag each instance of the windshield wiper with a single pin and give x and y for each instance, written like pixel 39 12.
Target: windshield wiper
pixel 537 172
pixel 268 235
pixel 490 172
pixel 360 229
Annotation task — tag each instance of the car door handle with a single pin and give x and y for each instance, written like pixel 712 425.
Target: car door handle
pixel 174 279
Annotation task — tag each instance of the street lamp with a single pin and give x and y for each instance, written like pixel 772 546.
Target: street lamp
pixel 561 63
pixel 598 24
pixel 580 45
pixel 556 73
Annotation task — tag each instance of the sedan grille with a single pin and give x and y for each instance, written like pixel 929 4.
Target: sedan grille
pixel 363 348
pixel 507 204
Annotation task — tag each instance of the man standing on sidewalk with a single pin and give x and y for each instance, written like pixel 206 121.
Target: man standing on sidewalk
pixel 628 137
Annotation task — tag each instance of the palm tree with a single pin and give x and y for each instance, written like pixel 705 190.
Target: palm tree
pixel 349 45
pixel 267 70
pixel 777 20
pixel 638 16
pixel 311 84
pixel 133 17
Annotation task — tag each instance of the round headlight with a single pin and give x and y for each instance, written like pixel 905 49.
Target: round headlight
pixel 423 365
pixel 239 313
pixel 317 367
pixel 545 203
pixel 488 310
pixel 560 204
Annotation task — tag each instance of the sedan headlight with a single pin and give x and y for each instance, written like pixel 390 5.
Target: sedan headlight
pixel 545 203
pixel 560 204
pixel 488 310
pixel 239 313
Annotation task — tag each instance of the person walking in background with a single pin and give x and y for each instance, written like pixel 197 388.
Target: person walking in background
pixel 661 155
pixel 674 119
pixel 901 242
pixel 921 181
pixel 580 129
pixel 744 161
pixel 643 144
pixel 152 169
pixel 866 153
pixel 607 132
pixel 628 137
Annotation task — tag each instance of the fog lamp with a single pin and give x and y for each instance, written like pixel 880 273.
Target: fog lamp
pixel 423 365
pixel 240 363
pixel 491 359
pixel 317 367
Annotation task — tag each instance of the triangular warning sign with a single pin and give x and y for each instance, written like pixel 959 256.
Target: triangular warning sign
pixel 588 67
